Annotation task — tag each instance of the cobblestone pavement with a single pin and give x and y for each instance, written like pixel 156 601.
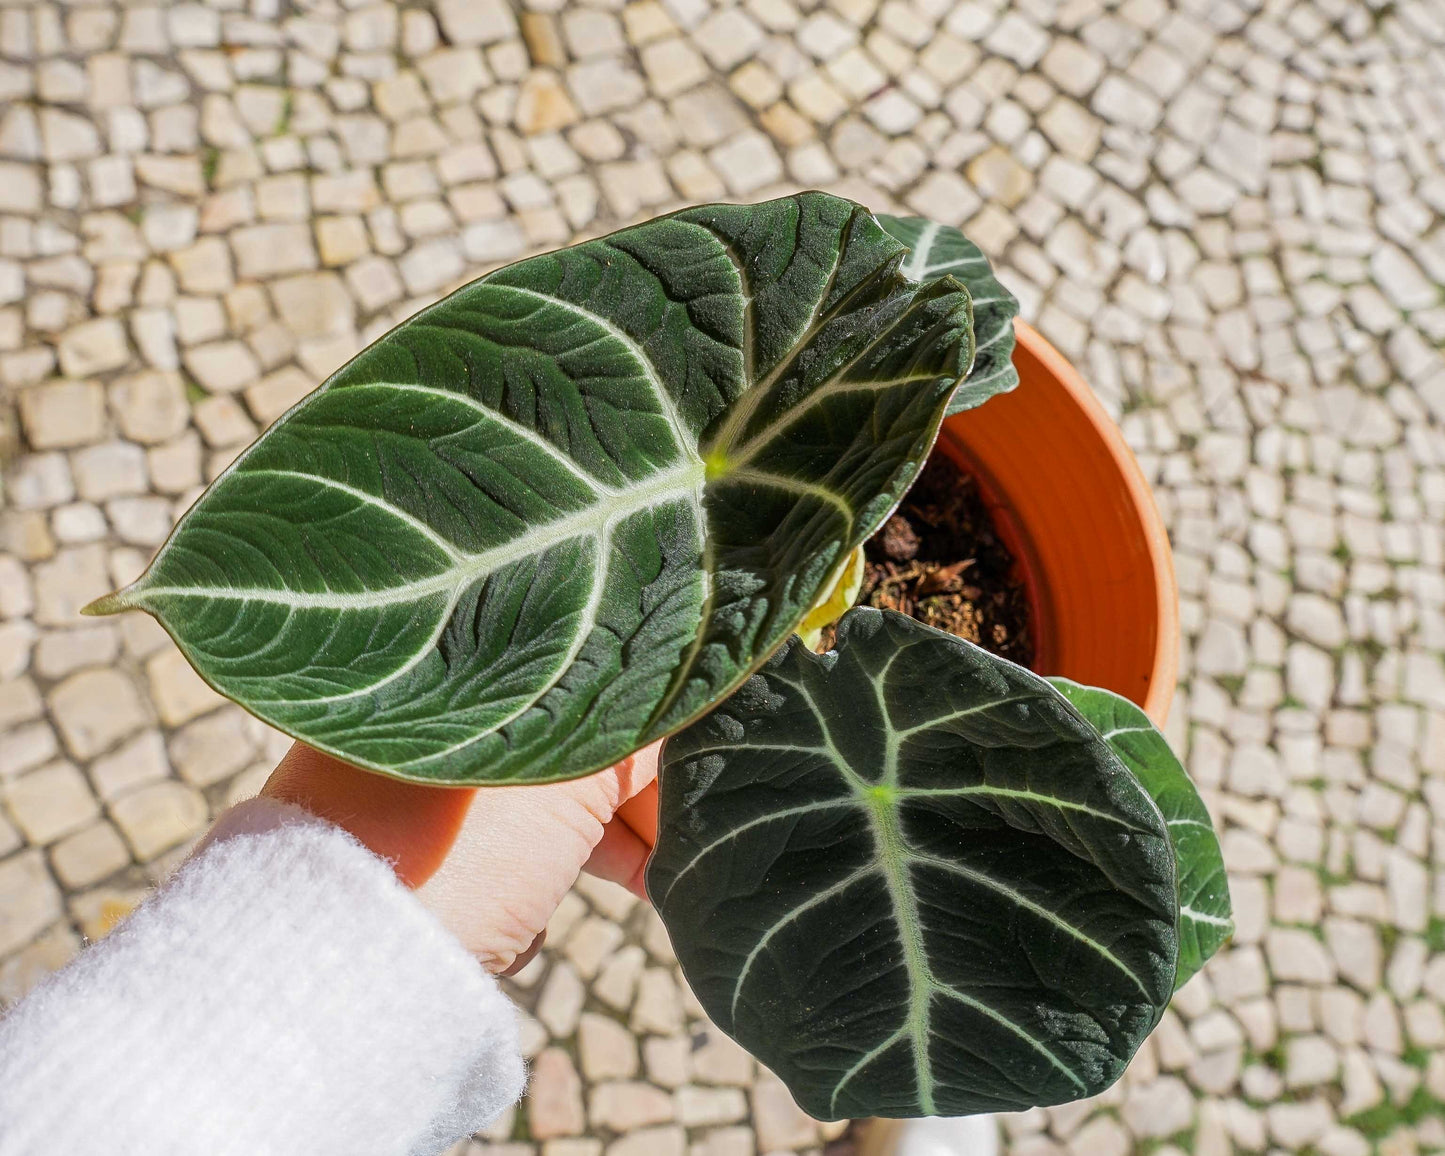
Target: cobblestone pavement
pixel 1227 212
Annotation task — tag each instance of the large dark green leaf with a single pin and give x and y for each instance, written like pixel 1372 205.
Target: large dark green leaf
pixel 566 509
pixel 913 881
pixel 936 250
pixel 1204 911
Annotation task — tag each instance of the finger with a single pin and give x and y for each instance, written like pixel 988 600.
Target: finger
pixel 620 857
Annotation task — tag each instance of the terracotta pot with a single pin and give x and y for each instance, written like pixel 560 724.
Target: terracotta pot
pixel 1071 502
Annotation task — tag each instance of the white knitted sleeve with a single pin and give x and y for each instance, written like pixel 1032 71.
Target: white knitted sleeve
pixel 283 994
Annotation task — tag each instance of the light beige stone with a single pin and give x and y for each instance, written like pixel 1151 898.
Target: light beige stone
pixel 476 21
pixel 672 66
pixel 375 282
pixel 607 1049
pixel 264 251
pixel 156 818
pixel 178 691
pixel 285 197
pixel 179 175
pixel 554 1097
pixel 222 366
pixel 721 1060
pixel 627 1105
pixel 727 1142
pixel 60 414
pixel 999 177
pixel 341 240
pixel 94 709
pixel 223 422
pixel 89 855
pixel 666 1059
pixel 592 944
pixel 561 1002
pixel 74 577
pixel 176 467
pixel 212 748
pixel 17 597
pixel 314 304
pixel 169 226
pixel 136 762
pixel 19 702
pixel 659 1003
pixel 50 802
pixel 707 1107
pixel 67 136
pixel 668 1140
pixel 150 407
pixel 29 900
pixel 204 267
pixel 60 652
pixel 747 163
pixel 20 188
pixel 454 74
pixel 94 347
pixel 108 469
pixel 780 1123
pixel 543 104
pixel 605 84
pixel 39 481
pixel 277 392
pixel 27 746
pixel 616 983
pixel 1163 1107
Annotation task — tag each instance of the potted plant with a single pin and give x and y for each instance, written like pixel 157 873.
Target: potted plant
pixel 583 503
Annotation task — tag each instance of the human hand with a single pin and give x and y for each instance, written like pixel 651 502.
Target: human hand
pixel 493 863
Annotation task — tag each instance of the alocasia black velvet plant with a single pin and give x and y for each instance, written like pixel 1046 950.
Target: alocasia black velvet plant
pixel 583 503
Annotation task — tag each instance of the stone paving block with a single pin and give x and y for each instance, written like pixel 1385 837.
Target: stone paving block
pixel 89 855
pixel 139 760
pixel 50 802
pixel 212 748
pixel 554 1105
pixel 177 690
pixel 606 1048
pixel 62 414
pixel 95 708
pixel 156 818
pixel 29 899
pixel 628 1105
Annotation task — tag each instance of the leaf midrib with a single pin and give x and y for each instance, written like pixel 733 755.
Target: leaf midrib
pixel 893 855
pixel 592 520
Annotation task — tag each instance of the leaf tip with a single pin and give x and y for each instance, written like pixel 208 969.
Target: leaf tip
pixel 112 603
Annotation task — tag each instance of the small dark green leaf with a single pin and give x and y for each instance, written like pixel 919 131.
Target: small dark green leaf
pixel 936 250
pixel 1204 912
pixel 566 509
pixel 913 881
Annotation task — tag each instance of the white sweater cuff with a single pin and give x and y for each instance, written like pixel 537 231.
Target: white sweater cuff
pixel 282 994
